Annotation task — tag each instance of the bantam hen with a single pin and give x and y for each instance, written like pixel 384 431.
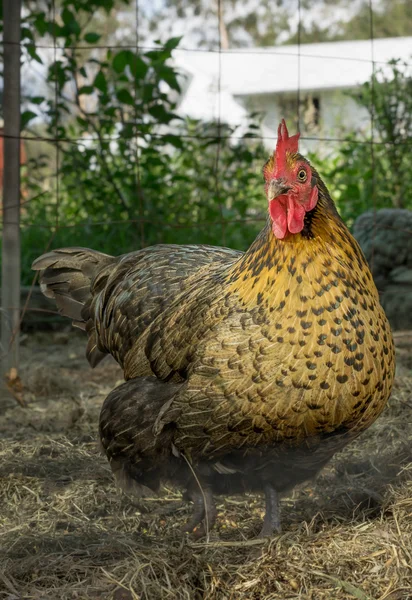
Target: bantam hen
pixel 244 371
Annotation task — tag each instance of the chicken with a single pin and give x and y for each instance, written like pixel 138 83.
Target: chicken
pixel 244 371
pixel 385 237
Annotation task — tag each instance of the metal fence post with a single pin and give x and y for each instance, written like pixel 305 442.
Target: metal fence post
pixel 10 277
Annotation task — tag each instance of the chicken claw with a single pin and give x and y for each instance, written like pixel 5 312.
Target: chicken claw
pixel 204 514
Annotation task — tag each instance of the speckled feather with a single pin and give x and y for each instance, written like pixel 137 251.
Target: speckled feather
pixel 283 354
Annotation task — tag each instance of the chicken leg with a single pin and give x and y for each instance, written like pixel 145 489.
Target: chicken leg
pixel 204 513
pixel 271 522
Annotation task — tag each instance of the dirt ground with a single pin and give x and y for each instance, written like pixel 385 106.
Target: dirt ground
pixel 66 532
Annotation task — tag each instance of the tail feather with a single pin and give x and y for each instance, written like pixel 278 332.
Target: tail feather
pixel 66 276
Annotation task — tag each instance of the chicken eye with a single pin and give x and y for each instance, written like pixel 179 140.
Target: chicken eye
pixel 302 175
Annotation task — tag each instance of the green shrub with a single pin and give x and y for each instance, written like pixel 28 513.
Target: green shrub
pixel 363 175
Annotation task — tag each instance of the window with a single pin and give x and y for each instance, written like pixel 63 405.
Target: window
pixel 309 111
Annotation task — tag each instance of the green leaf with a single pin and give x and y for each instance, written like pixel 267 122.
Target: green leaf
pixel 148 92
pixel 160 114
pixel 82 122
pixel 70 21
pixel 174 140
pixel 172 43
pixel 37 99
pixel 100 82
pixel 31 49
pixel 67 16
pixel 138 67
pixel 86 89
pixel 125 97
pixel 158 57
pixel 26 117
pixel 92 38
pixel 169 76
pixel 40 23
pixel 121 60
pixel 26 33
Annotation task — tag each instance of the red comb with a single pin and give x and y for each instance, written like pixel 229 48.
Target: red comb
pixel 285 144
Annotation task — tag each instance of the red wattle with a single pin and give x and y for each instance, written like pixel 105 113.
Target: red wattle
pixel 288 214
pixel 277 211
pixel 296 216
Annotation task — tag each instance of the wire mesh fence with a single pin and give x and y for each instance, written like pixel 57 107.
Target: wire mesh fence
pixel 125 173
pixel 112 162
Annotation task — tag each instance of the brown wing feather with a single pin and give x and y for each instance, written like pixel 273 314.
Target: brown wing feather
pixel 144 285
pixel 116 299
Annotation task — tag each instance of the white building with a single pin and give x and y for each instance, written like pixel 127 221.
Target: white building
pixel 234 83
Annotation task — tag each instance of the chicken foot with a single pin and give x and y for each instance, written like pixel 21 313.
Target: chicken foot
pixel 271 522
pixel 204 514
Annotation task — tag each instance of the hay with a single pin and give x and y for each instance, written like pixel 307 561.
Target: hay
pixel 66 532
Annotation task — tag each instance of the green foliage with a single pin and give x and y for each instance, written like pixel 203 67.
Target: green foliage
pixel 390 18
pixel 365 175
pixel 274 22
pixel 130 171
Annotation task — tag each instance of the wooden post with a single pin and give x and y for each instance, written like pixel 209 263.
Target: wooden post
pixel 10 276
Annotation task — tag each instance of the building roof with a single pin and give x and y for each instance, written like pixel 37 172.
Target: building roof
pixel 253 71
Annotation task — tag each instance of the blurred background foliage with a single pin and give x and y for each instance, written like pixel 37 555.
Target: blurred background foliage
pixel 131 172
pixel 371 174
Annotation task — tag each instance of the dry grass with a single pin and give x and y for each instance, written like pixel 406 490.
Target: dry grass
pixel 66 532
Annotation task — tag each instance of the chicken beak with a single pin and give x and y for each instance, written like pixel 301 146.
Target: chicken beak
pixel 276 188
